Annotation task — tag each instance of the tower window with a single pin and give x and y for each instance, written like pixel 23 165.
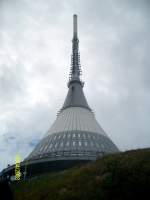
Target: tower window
pixel 97 144
pixel 54 137
pixel 56 145
pixel 50 139
pixel 45 147
pixel 74 135
pixel 61 144
pixel 73 143
pixel 79 143
pixel 67 143
pixel 41 148
pixel 85 143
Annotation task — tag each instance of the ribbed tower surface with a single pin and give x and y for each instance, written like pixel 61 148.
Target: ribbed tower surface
pixel 75 134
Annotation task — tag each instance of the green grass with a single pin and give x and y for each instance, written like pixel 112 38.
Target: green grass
pixel 115 177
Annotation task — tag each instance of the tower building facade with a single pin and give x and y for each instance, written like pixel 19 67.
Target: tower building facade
pixel 75 136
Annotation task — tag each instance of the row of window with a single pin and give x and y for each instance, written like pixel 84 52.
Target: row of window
pixel 51 139
pixel 75 135
pixel 71 143
pixel 52 147
pixel 51 143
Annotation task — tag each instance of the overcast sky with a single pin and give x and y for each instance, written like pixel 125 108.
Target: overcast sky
pixel 35 49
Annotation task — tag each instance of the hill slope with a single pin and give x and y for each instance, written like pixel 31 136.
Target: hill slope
pixel 116 177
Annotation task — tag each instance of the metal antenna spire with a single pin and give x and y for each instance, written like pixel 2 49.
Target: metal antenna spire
pixel 75 71
pixel 75 30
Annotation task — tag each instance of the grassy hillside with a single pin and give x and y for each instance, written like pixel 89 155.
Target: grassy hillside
pixel 114 177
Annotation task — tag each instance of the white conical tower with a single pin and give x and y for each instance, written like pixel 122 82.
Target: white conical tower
pixel 75 134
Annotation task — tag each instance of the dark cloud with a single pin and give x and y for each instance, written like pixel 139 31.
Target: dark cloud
pixel 34 66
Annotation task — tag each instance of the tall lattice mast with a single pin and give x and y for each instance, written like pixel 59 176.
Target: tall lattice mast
pixel 75 71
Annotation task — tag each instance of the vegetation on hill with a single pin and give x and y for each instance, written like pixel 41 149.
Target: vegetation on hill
pixel 119 176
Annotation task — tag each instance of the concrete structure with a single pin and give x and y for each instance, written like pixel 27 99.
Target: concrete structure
pixel 75 136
